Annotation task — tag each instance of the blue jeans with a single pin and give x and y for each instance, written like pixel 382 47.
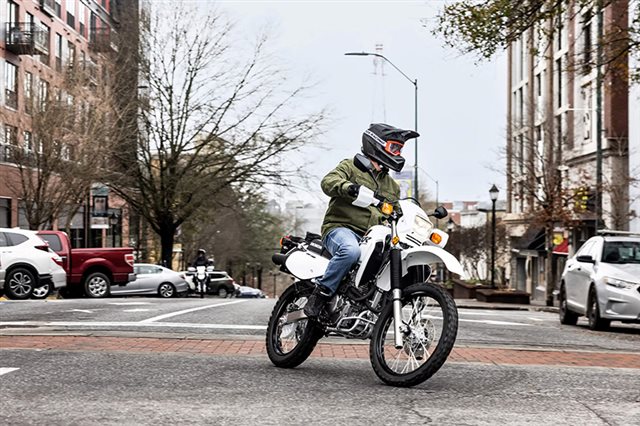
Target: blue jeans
pixel 343 244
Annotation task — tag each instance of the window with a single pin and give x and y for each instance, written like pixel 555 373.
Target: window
pixel 3 240
pixel 58 8
pixel 28 142
pixel 28 92
pixel 10 85
pixel 559 83
pixel 5 213
pixel 14 239
pixel 47 37
pixel 71 12
pixel 587 44
pixel 71 54
pixel 81 19
pixel 53 240
pixel 58 52
pixel 43 94
pixel 12 13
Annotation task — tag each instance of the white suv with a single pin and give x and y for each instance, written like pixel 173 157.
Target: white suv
pixel 602 281
pixel 27 263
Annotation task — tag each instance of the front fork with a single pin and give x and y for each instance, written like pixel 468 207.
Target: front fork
pixel 396 291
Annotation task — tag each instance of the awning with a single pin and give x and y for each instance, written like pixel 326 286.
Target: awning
pixel 562 248
pixel 533 239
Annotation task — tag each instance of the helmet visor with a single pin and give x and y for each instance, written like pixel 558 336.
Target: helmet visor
pixel 394 148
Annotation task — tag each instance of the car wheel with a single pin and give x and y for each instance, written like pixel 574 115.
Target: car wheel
pixel 222 292
pixel 96 285
pixel 596 322
pixel 566 315
pixel 41 292
pixel 19 284
pixel 166 290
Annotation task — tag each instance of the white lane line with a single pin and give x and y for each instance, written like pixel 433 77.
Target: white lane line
pixel 139 310
pixel 489 314
pixel 133 324
pixel 130 303
pixel 186 311
pixel 492 322
pixel 6 370
pixel 86 311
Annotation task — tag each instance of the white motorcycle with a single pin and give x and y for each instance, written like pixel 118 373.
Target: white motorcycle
pixel 386 297
pixel 200 279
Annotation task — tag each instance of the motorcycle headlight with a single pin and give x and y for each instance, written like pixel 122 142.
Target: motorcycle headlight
pixel 421 227
pixel 618 283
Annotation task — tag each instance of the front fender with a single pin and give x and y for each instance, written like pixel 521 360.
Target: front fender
pixel 425 255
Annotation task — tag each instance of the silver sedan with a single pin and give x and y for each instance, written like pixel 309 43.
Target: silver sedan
pixel 153 279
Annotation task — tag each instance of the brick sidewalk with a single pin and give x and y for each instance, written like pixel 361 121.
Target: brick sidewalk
pixel 497 356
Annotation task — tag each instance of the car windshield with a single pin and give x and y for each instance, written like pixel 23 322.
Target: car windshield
pixel 621 252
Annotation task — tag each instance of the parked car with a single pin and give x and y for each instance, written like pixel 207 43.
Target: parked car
pixel 602 281
pixel 91 271
pixel 220 283
pixel 26 263
pixel 250 292
pixel 153 280
pixel 58 275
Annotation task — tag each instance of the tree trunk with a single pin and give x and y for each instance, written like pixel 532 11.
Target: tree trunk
pixel 166 242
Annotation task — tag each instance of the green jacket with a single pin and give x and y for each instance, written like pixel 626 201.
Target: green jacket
pixel 341 213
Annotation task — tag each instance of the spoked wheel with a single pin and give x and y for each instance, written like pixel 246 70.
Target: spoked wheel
pixel 289 345
pixel 429 327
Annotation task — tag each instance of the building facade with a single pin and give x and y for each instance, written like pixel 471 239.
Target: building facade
pixel 552 143
pixel 42 41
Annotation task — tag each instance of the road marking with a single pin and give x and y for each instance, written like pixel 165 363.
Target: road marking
pixel 86 311
pixel 492 322
pixel 138 310
pixel 132 324
pixel 6 370
pixel 130 303
pixel 186 311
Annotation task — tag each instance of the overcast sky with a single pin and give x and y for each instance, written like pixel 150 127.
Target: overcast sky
pixel 462 106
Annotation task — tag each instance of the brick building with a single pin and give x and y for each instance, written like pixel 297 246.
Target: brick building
pixel 41 40
pixel 552 135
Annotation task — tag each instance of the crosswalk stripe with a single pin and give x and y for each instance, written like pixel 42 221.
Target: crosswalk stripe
pixel 5 370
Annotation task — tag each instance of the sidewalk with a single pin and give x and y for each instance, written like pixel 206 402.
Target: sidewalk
pixel 229 347
pixel 534 306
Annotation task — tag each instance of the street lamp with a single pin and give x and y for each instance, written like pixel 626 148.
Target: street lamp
pixel 493 193
pixel 415 85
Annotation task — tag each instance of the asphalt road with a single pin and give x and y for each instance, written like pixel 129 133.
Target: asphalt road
pixel 87 388
pixel 215 316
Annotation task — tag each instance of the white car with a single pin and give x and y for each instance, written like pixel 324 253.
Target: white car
pixel 26 264
pixel 602 281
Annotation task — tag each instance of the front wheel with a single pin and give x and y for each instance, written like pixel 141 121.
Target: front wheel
pixel 289 345
pixel 429 327
pixel 596 322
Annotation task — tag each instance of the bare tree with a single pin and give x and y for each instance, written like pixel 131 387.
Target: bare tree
pixel 65 142
pixel 209 118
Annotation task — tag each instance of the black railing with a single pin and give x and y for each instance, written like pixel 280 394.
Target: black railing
pixel 102 40
pixel 26 38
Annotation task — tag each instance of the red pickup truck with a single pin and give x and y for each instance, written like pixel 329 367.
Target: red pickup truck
pixel 91 271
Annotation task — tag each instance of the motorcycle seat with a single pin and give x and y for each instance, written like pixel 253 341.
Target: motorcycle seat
pixel 317 247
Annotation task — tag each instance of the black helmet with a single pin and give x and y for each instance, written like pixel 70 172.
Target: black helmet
pixel 201 252
pixel 383 143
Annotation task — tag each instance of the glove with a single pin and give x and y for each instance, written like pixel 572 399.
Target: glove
pixel 353 190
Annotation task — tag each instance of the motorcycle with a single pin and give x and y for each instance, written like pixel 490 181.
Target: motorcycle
pixel 386 297
pixel 200 279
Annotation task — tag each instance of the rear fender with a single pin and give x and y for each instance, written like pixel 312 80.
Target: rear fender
pixel 425 255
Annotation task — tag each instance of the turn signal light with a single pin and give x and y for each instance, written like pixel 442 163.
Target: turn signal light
pixel 395 240
pixel 387 208
pixel 436 238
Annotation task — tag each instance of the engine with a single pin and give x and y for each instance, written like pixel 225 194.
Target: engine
pixel 351 319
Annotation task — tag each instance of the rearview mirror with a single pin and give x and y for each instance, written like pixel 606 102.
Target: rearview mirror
pixel 363 163
pixel 440 212
pixel 585 259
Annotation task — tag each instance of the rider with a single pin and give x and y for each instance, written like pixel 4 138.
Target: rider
pixel 201 259
pixel 344 224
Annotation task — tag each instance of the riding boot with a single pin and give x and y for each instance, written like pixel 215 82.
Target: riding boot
pixel 316 301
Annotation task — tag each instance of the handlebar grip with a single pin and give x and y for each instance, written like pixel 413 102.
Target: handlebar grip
pixel 279 258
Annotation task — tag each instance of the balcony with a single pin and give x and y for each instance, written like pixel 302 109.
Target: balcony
pixel 103 40
pixel 26 38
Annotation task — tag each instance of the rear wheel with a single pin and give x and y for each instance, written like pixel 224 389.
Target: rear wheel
pixel 566 316
pixel 96 285
pixel 222 292
pixel 289 345
pixel 429 327
pixel 19 284
pixel 596 322
pixel 41 292
pixel 166 290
